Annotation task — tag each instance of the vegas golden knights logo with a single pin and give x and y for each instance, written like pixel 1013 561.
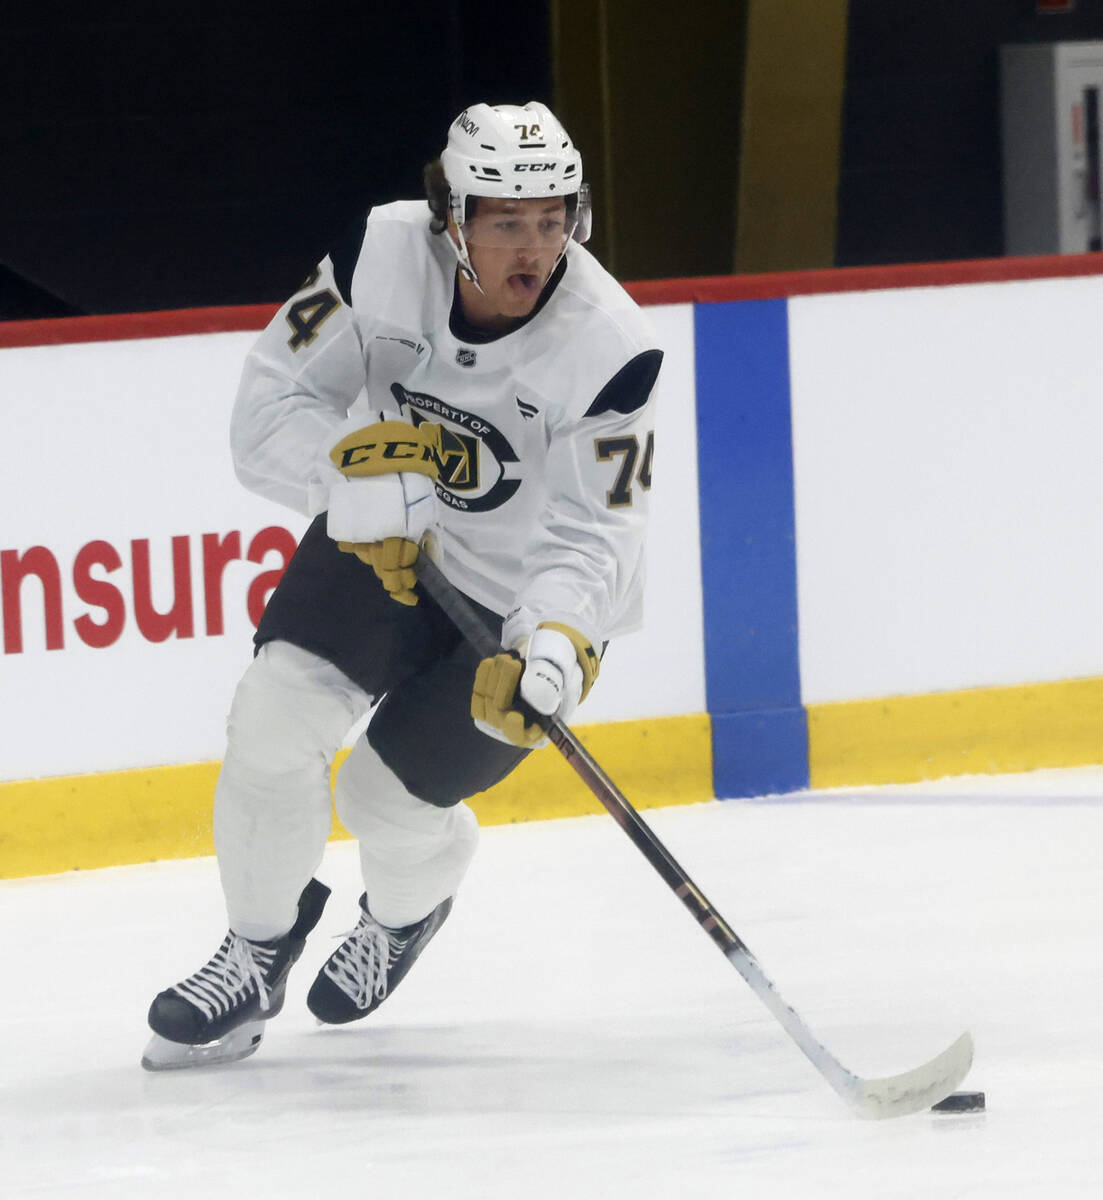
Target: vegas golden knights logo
pixel 478 469
pixel 458 460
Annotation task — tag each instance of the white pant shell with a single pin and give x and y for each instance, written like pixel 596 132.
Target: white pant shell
pixel 291 713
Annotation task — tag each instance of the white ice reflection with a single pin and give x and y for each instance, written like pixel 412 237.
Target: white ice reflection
pixel 572 1034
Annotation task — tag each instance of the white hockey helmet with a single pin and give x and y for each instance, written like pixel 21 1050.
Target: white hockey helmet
pixel 516 152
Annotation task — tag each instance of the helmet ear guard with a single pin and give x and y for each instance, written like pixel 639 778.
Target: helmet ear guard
pixel 583 215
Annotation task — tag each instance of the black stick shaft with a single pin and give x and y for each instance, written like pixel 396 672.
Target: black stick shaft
pixel 892 1096
pixel 588 770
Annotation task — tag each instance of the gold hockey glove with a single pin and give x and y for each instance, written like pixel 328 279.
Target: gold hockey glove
pixel 494 701
pixel 510 693
pixel 384 505
pixel 388 447
pixel 393 561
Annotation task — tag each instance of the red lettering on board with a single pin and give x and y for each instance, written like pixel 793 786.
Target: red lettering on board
pixel 14 569
pixel 109 599
pixel 100 594
pixel 217 554
pixel 156 626
pixel 276 538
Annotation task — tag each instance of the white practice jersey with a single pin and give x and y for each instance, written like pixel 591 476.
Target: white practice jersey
pixel 543 495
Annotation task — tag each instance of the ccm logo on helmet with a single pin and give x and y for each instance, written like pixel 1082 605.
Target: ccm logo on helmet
pixel 534 166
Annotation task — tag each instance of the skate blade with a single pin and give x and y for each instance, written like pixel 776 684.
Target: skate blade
pixel 162 1055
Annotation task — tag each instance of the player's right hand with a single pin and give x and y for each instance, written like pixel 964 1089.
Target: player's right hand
pixel 377 510
pixel 393 562
pixel 381 507
pixel 382 520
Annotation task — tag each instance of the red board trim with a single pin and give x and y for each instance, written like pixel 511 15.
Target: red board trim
pixel 698 290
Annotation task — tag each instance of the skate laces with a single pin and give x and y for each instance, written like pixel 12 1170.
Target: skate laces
pixel 237 968
pixel 360 966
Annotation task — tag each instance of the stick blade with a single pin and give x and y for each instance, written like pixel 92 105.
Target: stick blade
pixel 913 1091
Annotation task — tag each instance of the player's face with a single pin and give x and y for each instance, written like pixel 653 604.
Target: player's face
pixel 513 246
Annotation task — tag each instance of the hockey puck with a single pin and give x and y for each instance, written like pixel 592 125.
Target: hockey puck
pixel 960 1102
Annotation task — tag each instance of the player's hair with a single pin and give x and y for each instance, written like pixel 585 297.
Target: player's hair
pixel 437 191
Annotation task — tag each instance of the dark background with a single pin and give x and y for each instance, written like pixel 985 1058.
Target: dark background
pixel 919 172
pixel 171 156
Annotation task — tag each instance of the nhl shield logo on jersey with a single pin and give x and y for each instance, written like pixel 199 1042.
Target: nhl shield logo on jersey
pixel 474 456
pixel 465 357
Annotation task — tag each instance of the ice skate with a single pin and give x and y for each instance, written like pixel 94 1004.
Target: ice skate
pixel 217 1015
pixel 369 964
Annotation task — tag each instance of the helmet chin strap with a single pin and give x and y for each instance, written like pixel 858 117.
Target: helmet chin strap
pixel 463 257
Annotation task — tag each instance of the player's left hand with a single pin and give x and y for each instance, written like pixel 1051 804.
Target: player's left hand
pixel 548 677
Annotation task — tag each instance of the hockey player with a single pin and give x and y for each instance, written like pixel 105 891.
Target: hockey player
pixel 460 375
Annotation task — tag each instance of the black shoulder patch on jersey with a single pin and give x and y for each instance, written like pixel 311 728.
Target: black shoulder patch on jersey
pixel 344 256
pixel 630 386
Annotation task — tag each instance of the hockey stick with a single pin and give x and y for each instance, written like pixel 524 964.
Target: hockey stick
pixel 891 1096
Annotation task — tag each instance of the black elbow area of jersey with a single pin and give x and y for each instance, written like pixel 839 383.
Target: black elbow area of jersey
pixel 345 254
pixel 630 386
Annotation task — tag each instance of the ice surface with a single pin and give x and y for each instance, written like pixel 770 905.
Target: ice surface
pixel 572 1033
